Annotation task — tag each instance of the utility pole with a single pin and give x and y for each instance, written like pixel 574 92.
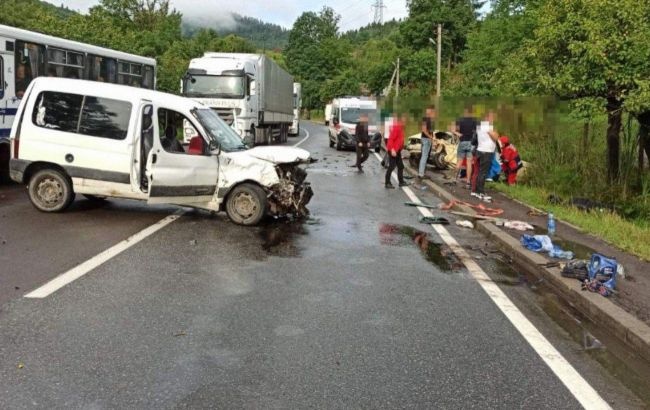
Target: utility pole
pixel 397 93
pixel 379 11
pixel 439 58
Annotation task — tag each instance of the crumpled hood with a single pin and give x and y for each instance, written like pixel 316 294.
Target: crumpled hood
pixel 280 155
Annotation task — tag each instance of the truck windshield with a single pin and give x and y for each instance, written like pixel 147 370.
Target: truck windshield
pixel 214 86
pixel 352 115
pixel 218 130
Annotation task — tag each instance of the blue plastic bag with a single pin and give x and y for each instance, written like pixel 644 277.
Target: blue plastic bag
pixel 543 243
pixel 603 266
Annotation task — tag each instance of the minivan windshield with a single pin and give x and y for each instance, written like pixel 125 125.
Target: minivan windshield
pixel 219 131
pixel 352 115
pixel 214 86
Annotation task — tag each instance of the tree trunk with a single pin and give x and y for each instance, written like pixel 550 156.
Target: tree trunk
pixel 644 137
pixel 614 121
pixel 585 136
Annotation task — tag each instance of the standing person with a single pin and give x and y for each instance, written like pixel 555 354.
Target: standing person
pixel 428 124
pixel 487 144
pixel 465 129
pixel 361 132
pixel 394 148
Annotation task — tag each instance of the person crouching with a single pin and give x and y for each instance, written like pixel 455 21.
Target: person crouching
pixel 510 160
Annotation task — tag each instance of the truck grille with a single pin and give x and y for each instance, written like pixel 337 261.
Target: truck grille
pixel 226 114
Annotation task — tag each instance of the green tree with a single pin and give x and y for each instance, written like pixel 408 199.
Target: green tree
pixel 458 17
pixel 592 49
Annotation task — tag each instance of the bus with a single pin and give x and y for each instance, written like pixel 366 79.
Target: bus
pixel 25 55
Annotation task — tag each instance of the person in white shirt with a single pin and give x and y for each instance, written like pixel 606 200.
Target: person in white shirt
pixel 487 144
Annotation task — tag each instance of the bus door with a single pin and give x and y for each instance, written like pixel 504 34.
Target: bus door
pixel 8 100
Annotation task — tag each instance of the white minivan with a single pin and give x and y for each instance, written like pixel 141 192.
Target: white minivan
pixel 105 140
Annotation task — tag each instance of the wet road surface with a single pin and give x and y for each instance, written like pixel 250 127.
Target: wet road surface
pixel 358 307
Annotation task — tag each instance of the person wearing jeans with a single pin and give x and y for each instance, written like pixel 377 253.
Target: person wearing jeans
pixel 428 125
pixel 394 148
pixel 487 144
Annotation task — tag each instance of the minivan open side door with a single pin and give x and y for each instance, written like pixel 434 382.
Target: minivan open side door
pixel 188 177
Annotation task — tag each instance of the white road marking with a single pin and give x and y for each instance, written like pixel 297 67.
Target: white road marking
pixel 302 140
pixel 586 395
pixel 92 263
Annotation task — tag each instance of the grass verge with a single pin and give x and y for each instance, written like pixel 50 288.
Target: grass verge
pixel 632 236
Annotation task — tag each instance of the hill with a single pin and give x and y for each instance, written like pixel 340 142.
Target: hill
pixel 263 35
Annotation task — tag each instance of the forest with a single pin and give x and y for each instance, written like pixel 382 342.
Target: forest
pixel 570 80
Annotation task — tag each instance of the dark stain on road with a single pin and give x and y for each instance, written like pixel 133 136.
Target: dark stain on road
pixel 436 253
pixel 281 237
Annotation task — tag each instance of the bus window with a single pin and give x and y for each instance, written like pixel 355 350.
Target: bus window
pixel 101 69
pixel 64 63
pixel 129 74
pixel 29 65
pixel 147 79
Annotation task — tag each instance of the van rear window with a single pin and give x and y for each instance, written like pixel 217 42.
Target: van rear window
pixel 86 115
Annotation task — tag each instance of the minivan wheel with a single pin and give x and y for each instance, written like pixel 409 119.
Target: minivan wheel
pixel 246 204
pixel 50 191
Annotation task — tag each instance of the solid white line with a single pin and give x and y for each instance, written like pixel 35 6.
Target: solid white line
pixel 586 395
pixel 302 140
pixel 92 263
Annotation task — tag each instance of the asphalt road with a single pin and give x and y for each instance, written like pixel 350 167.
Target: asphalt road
pixel 359 307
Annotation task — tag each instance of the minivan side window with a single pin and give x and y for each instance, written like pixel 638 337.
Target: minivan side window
pixel 87 115
pixel 59 111
pixel 105 118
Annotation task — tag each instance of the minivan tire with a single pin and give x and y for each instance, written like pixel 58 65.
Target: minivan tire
pixel 50 190
pixel 246 204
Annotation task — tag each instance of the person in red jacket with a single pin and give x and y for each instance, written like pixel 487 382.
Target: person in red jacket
pixel 394 148
pixel 510 160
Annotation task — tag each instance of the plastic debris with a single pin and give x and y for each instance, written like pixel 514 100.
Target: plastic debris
pixel 433 220
pixel 20 365
pixel 600 265
pixel 465 224
pixel 543 243
pixel 518 225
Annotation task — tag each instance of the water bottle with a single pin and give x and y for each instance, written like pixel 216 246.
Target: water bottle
pixel 551 224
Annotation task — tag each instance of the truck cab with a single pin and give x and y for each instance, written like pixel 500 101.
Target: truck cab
pixel 249 92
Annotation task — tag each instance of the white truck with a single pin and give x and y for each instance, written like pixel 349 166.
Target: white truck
pixel 250 92
pixel 297 105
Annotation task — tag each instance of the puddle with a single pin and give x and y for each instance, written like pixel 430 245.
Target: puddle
pixel 436 253
pixel 597 343
pixel 282 237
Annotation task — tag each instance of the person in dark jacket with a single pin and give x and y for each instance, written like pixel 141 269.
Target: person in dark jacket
pixel 361 133
pixel 394 148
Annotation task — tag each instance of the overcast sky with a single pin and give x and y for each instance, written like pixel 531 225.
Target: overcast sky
pixel 354 13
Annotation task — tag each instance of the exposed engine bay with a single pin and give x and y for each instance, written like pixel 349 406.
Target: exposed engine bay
pixel 292 194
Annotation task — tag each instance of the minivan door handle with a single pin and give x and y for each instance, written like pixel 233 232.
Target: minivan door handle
pixel 154 158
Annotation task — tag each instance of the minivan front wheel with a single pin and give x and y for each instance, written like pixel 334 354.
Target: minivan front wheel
pixel 246 204
pixel 50 191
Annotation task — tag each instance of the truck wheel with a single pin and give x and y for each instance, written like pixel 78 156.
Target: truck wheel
pixel 246 204
pixel 50 190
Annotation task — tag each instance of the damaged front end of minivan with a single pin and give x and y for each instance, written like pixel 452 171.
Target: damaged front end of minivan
pixel 292 193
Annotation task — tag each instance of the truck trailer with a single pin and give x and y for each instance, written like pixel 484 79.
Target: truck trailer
pixel 250 92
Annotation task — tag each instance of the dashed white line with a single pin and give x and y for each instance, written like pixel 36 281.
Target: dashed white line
pixel 85 267
pixel 586 395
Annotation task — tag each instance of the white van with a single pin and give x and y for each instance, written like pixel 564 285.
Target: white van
pixel 105 140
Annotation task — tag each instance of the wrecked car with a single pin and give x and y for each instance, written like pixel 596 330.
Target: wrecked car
pixel 106 140
pixel 443 153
